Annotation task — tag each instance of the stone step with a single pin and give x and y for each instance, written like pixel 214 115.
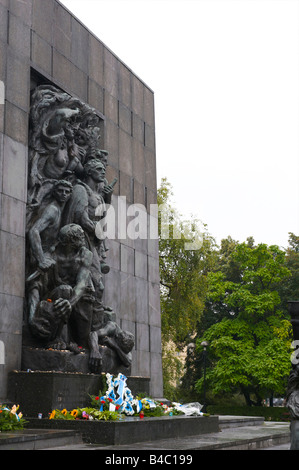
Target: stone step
pixel 228 421
pixel 35 439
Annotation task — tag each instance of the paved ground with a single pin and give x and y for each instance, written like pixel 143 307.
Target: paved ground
pixel 237 433
pixel 269 436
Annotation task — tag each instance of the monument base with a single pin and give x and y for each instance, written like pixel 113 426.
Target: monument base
pixel 133 430
pixel 41 391
pixel 38 359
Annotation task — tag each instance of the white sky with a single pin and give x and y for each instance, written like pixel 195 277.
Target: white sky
pixel 226 79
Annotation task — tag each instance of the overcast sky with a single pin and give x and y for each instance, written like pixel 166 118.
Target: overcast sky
pixel 225 74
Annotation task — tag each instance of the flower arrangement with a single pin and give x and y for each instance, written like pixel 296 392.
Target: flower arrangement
pixel 9 419
pixel 87 414
pixel 119 402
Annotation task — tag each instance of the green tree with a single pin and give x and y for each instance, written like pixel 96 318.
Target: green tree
pixel 183 270
pixel 289 289
pixel 183 285
pixel 250 346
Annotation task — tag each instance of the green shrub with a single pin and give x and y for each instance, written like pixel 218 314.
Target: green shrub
pixel 271 413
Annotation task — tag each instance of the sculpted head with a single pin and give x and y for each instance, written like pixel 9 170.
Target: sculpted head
pixel 72 234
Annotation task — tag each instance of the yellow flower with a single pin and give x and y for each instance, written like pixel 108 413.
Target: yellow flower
pixel 52 415
pixel 14 409
pixel 74 413
pixel 64 412
pixel 20 415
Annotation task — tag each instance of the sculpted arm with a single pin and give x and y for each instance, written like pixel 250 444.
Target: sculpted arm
pixel 83 277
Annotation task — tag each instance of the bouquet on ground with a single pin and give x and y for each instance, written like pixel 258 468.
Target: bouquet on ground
pixel 10 420
pixel 119 402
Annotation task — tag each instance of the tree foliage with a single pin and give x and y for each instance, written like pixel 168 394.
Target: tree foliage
pixel 235 297
pixel 182 271
pixel 250 346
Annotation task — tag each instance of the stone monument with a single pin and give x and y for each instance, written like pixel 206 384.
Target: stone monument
pixel 66 244
pixel 77 137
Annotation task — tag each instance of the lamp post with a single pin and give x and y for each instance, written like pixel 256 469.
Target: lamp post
pixel 204 344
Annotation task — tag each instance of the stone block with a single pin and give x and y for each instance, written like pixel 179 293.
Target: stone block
pixel 110 73
pixel 62 69
pixel 127 297
pixel 155 339
pixel 22 9
pixel 11 308
pixel 113 254
pixel 19 36
pixel 62 30
pixel 125 187
pixel 18 78
pixel 79 83
pixel 3 60
pixel 111 139
pixel 140 264
pixel 41 53
pixel 125 93
pixel 142 363
pixel 79 46
pixel 149 137
pixel 142 337
pixel 127 259
pixel 12 262
pixel 12 358
pixel 1 158
pixel 12 215
pixel 96 96
pixel 112 292
pixel 137 97
pixel 43 18
pixel 150 169
pixel 125 152
pixel 139 194
pixel 153 241
pixel 4 3
pixel 154 304
pixel 153 270
pixel 3 23
pixel 141 300
pixel 138 128
pixel 138 161
pixel 111 107
pixel 96 60
pixel 156 385
pixel 15 169
pixel 149 107
pixel 125 118
pixel 16 123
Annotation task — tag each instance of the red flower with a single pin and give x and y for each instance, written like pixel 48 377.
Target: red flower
pixel 110 399
pixel 97 398
pixel 117 407
pixel 103 401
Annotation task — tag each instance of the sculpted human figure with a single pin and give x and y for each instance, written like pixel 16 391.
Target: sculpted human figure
pixel 42 239
pixel 86 208
pixel 72 275
pixel 68 194
pixel 65 316
pixel 111 335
